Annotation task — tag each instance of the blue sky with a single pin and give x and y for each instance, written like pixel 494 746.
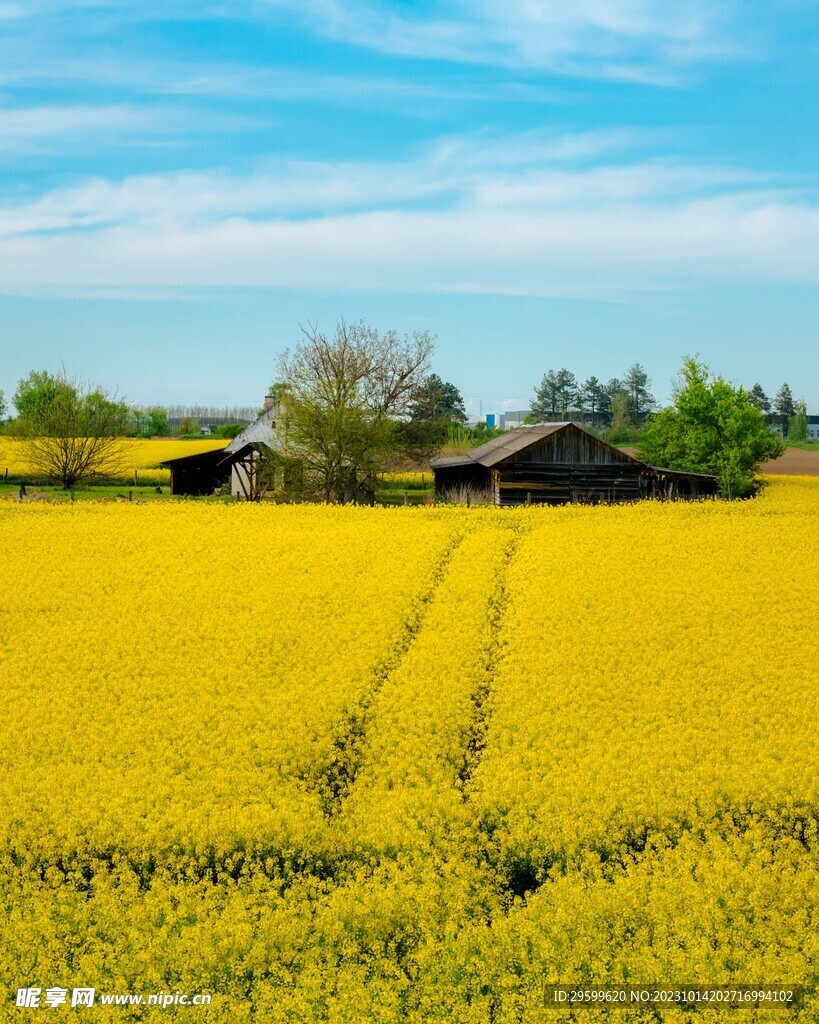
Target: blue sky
pixel 540 184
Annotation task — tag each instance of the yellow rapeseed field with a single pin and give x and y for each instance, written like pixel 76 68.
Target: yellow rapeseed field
pixel 140 454
pixel 412 764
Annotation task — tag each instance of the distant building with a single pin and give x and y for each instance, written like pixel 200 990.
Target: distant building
pixel 514 418
pixel 813 426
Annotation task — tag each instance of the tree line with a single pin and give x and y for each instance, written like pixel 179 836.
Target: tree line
pixel 790 415
pixel 617 403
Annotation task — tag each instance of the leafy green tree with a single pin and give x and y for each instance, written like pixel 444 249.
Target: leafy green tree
pixel 36 390
pixel 231 430
pixel 438 400
pixel 759 398
pixel 70 430
pixel 158 423
pixel 636 385
pixel 621 424
pixel 713 427
pixel 798 423
pixel 784 407
pixel 189 425
pixel 2 405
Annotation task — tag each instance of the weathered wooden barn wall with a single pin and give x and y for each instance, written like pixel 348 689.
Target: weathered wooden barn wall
pixel 517 482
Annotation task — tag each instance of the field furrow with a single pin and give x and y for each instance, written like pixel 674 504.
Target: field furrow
pixel 428 718
pixel 658 676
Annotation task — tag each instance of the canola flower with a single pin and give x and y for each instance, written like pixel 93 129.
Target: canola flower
pixel 351 764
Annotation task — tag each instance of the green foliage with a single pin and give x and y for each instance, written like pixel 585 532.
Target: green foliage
pixel 557 394
pixel 189 425
pixel 640 400
pixel 71 431
pixel 438 400
pixel 2 405
pixel 560 397
pixel 36 391
pixel 713 427
pixel 620 418
pixel 759 398
pixel 230 430
pixel 158 423
pixel 798 423
pixel 784 407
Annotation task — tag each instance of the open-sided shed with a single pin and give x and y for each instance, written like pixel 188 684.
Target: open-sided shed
pixel 198 474
pixel 555 463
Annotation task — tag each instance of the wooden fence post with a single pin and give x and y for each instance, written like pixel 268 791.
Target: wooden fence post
pixel 528 497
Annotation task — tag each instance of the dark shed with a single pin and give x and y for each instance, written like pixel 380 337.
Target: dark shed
pixel 198 474
pixel 554 463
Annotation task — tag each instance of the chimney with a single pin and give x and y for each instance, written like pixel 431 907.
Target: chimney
pixel 269 402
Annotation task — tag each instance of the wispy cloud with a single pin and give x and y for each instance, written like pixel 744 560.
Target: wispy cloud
pixel 638 40
pixel 53 127
pixel 649 41
pixel 512 214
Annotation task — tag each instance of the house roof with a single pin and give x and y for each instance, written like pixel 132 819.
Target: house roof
pixel 260 431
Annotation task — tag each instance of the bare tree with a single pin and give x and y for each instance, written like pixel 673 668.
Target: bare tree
pixel 343 398
pixel 71 431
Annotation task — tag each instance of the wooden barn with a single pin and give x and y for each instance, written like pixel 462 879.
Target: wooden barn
pixel 555 463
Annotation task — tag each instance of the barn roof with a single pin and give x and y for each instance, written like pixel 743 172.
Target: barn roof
pixel 511 443
pixel 500 448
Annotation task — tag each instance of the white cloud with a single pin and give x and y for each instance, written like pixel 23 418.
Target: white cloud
pixel 510 214
pixel 642 40
pixel 51 128
pixel 631 40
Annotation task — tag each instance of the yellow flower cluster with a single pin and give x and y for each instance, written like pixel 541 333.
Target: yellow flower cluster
pixel 411 764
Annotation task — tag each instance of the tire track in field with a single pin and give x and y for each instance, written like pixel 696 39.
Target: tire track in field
pixel 496 612
pixel 341 770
